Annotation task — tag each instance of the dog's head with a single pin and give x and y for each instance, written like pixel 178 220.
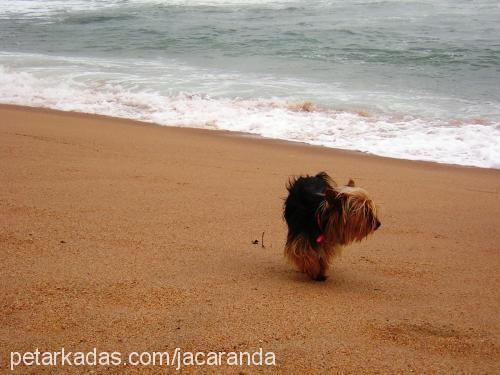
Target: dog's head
pixel 349 214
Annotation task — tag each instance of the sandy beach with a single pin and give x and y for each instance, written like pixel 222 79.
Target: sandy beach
pixel 127 237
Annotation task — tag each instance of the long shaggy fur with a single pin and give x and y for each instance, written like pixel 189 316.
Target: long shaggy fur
pixel 322 218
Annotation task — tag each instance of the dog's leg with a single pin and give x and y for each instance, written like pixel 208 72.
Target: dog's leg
pixel 323 269
pixel 313 262
pixel 313 265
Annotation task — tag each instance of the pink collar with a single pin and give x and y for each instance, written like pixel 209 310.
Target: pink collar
pixel 321 236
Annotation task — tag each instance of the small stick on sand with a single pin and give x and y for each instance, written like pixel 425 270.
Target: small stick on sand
pixel 262 242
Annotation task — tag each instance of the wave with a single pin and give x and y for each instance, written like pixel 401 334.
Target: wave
pixel 33 9
pixel 89 18
pixel 471 142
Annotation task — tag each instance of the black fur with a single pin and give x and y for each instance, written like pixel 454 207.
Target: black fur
pixel 305 195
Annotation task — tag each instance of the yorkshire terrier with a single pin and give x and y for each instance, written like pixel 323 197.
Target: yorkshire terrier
pixel 322 218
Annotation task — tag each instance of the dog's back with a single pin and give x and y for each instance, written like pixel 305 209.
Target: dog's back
pixel 305 194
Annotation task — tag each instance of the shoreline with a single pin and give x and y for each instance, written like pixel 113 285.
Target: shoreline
pixel 128 237
pixel 235 133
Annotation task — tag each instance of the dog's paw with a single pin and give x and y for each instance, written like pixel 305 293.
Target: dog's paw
pixel 320 278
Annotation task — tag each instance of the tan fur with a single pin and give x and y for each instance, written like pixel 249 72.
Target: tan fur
pixel 355 221
pixel 314 262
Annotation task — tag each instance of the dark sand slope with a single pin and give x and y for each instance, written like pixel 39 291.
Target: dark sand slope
pixel 131 237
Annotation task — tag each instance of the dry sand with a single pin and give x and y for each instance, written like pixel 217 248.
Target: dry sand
pixel 133 237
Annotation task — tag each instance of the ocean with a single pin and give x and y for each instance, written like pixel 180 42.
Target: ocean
pixel 409 79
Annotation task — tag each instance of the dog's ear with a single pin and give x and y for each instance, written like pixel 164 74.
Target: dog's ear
pixel 351 183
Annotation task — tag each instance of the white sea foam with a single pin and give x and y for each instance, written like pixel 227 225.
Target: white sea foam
pixel 465 142
pixel 36 8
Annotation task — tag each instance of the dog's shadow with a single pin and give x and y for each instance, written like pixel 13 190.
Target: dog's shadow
pixel 340 279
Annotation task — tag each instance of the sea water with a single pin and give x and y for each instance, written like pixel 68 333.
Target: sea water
pixel 406 79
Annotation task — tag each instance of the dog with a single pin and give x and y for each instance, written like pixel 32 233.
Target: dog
pixel 322 218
